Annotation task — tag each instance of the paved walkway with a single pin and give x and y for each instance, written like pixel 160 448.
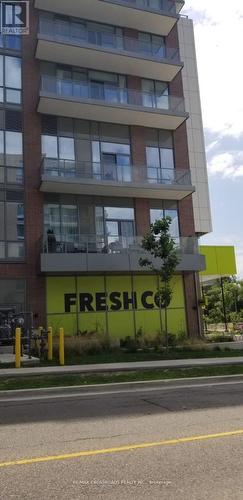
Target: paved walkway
pixel 121 367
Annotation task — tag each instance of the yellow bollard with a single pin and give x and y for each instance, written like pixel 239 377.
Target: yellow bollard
pixel 61 346
pixel 50 344
pixel 17 348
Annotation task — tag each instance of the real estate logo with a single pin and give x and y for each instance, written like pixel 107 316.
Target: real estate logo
pixel 14 18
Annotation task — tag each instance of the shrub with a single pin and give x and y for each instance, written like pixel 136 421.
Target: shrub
pixel 79 345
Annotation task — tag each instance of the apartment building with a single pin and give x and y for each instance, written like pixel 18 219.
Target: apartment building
pixel 101 134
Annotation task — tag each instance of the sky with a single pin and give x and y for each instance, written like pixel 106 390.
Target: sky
pixel 218 28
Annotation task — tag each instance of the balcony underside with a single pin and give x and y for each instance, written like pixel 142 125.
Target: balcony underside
pixel 66 185
pixel 111 113
pixel 101 263
pixel 111 60
pixel 113 13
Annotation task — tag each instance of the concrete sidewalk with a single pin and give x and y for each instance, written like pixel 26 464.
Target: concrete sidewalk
pixel 120 367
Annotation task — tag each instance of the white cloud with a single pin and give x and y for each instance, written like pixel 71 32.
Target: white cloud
pixel 219 38
pixel 227 164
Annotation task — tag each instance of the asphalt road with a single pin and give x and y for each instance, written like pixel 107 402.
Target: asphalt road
pixel 178 441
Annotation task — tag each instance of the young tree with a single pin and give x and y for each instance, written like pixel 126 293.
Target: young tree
pixel 160 244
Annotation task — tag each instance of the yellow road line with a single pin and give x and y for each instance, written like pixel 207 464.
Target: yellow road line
pixel 118 449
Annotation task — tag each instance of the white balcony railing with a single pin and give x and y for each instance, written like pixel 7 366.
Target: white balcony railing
pixel 78 35
pixel 80 91
pixel 107 244
pixel 121 174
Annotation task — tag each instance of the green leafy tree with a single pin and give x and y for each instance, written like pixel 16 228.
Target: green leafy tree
pixel 160 244
pixel 233 293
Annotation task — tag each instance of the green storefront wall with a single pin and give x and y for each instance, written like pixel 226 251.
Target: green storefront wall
pixel 220 261
pixel 103 304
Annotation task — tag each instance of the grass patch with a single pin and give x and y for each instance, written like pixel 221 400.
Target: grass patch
pixel 119 356
pixel 46 381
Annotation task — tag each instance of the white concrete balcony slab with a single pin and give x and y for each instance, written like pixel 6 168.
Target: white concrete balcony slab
pixel 92 253
pixel 153 16
pixel 60 176
pixel 110 104
pixel 60 43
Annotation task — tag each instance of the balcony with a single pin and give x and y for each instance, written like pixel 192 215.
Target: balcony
pixel 156 17
pixel 105 103
pixel 65 176
pixel 65 44
pixel 92 253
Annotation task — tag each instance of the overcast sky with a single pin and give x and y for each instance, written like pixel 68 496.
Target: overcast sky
pixel 219 43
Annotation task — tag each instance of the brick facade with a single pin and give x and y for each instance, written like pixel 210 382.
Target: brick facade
pixel 33 198
pixel 30 270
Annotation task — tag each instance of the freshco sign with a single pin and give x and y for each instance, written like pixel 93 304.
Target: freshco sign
pixel 118 301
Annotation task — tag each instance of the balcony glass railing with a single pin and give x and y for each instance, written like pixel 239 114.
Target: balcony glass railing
pixel 78 35
pixel 159 6
pixel 122 174
pixel 93 92
pixel 107 244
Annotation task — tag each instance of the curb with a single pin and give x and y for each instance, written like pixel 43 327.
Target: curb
pixel 120 367
pixel 96 389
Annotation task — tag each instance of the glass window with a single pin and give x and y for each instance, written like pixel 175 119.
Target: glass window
pixel 14 221
pixel 13 72
pixel 113 148
pixel 49 146
pixel 13 96
pixel 1 70
pixel 2 221
pixel 152 155
pixel 1 144
pixel 14 148
pixel 148 93
pixel 162 95
pixel 66 148
pixel 13 142
pixel 152 44
pixel 1 175
pixel 13 42
pixel 10 78
pixel 174 228
pixel 2 250
pixel 96 151
pixel 69 222
pixel 119 213
pixel 52 219
pixel 167 209
pixel 167 158
pixel 14 176
pixel 15 250
pixel 65 126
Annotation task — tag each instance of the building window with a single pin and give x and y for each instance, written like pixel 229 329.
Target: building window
pixel 152 44
pixel 161 209
pixel 98 150
pixel 60 154
pixel 160 162
pixel 11 148
pixel 116 225
pixel 62 220
pixel 11 226
pixel 101 227
pixel 80 30
pixel 10 42
pixel 10 79
pixel 155 94
pixel 111 161
pixel 87 84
